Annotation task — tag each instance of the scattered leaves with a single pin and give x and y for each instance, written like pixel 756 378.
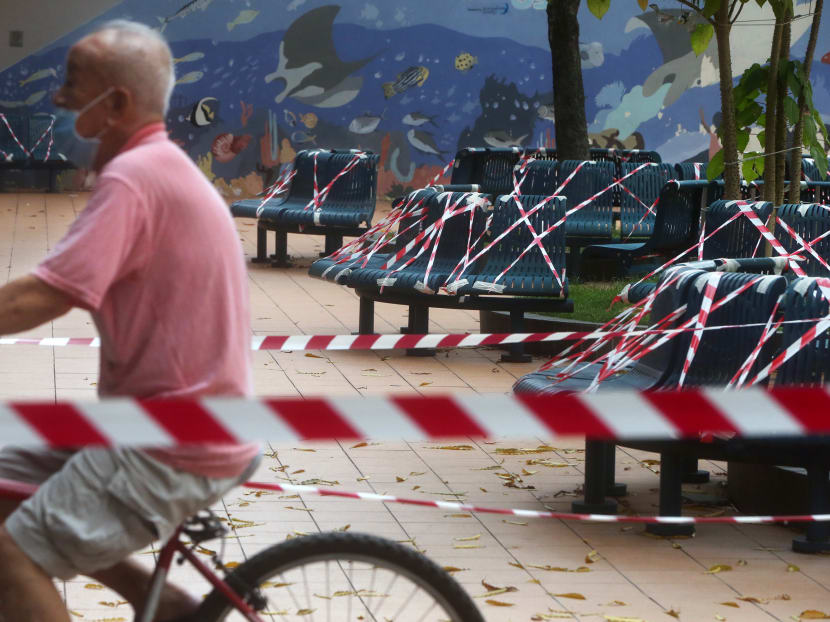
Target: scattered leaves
pixel 314 356
pixel 673 613
pixel 452 569
pixel 729 603
pixel 455 447
pixel 792 568
pixel 512 451
pixel 591 557
pixel 514 522
pixel 574 595
pixel 458 515
pixel 813 614
pixel 468 539
pixel 498 603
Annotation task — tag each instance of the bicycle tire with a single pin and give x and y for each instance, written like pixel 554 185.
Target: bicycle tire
pixel 298 552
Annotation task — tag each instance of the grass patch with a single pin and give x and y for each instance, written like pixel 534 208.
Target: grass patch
pixel 592 301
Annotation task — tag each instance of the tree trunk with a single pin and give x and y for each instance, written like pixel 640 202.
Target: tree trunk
pixel 568 92
pixel 798 131
pixel 771 118
pixel 731 173
pixel 781 121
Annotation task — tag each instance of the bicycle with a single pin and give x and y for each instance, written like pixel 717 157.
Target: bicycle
pixel 294 579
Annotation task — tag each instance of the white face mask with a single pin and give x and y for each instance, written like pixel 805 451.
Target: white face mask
pixel 79 113
pixel 78 149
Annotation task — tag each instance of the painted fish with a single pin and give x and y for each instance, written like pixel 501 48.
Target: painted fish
pixel 826 58
pixel 244 17
pixel 301 138
pixel 414 76
pixel 424 142
pixel 190 78
pixel 204 112
pixel 365 124
pixel 465 61
pixel 184 11
pixel 189 58
pixel 39 75
pixel 290 117
pixel 502 139
pixel 29 101
pixel 309 119
pixel 417 119
pixel 491 10
pixel 545 112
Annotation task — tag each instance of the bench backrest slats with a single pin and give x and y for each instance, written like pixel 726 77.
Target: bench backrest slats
pixel 740 237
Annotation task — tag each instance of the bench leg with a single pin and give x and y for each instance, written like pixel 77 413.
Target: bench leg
pixel 261 246
pixel 516 351
pixel 612 487
pixel 419 325
pixel 406 330
pixel 691 474
pixel 333 243
pixel 817 538
pixel 366 320
pixel 280 258
pixel 671 497
pixel 53 180
pixel 596 473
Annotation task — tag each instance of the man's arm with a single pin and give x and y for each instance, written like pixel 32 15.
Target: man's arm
pixel 28 302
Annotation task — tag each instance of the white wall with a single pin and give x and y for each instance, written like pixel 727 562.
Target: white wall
pixel 42 22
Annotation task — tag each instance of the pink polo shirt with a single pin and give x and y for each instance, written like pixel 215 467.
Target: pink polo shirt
pixel 156 259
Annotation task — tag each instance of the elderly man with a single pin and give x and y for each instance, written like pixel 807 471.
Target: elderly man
pixel 156 260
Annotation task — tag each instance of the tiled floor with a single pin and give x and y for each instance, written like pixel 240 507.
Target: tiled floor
pixel 631 576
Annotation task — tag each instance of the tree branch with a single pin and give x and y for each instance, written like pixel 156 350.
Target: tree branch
pixel 732 20
pixel 696 9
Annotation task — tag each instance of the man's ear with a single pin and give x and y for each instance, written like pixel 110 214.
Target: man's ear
pixel 122 101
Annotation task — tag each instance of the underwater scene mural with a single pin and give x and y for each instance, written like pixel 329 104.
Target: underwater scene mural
pixel 259 80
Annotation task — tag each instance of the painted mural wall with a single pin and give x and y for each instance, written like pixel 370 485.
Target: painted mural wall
pixel 259 80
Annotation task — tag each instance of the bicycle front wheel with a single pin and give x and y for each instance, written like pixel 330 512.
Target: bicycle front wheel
pixel 343 576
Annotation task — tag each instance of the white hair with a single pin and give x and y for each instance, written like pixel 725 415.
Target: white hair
pixel 139 58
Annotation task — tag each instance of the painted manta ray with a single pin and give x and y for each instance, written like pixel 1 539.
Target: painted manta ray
pixel 309 65
pixel 683 69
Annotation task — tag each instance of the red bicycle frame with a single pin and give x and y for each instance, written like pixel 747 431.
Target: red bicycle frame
pixel 20 491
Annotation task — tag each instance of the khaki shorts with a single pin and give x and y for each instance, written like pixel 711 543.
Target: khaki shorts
pixel 95 507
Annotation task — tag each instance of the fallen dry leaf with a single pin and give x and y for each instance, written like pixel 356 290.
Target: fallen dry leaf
pixel 469 538
pixel 813 614
pixel 466 546
pixel 497 603
pixel 719 568
pixel 792 568
pixel 621 619
pixel 559 568
pixel 424 384
pixel 720 618
pixel 574 595
pixel 729 603
pixel 363 444
pixel 673 613
pixel 615 603
pixel 591 557
pixel 458 515
pixel 512 451
pixel 314 356
pixel 454 569
pixel 399 479
pixel 514 522
pixel 455 447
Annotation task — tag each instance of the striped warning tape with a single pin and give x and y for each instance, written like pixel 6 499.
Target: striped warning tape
pixel 409 341
pixel 628 415
pixel 601 518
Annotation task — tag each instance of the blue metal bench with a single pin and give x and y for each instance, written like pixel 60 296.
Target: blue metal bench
pixel 406 287
pixel 492 168
pixel 346 211
pixel 35 132
pixel 643 188
pixel 739 238
pixel 675 230
pixel 333 268
pixel 808 221
pixel 596 219
pixel 531 275
pixel 451 248
pixel 687 171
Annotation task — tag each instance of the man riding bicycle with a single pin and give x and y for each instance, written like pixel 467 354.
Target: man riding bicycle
pixel 156 260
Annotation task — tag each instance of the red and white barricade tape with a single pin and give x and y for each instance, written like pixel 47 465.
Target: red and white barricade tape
pixel 632 415
pixel 419 341
pixel 14 136
pixel 454 506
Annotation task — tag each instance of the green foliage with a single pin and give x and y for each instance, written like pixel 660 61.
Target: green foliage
pixel 599 7
pixel 753 166
pixel 711 7
pixel 715 167
pixel 700 37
